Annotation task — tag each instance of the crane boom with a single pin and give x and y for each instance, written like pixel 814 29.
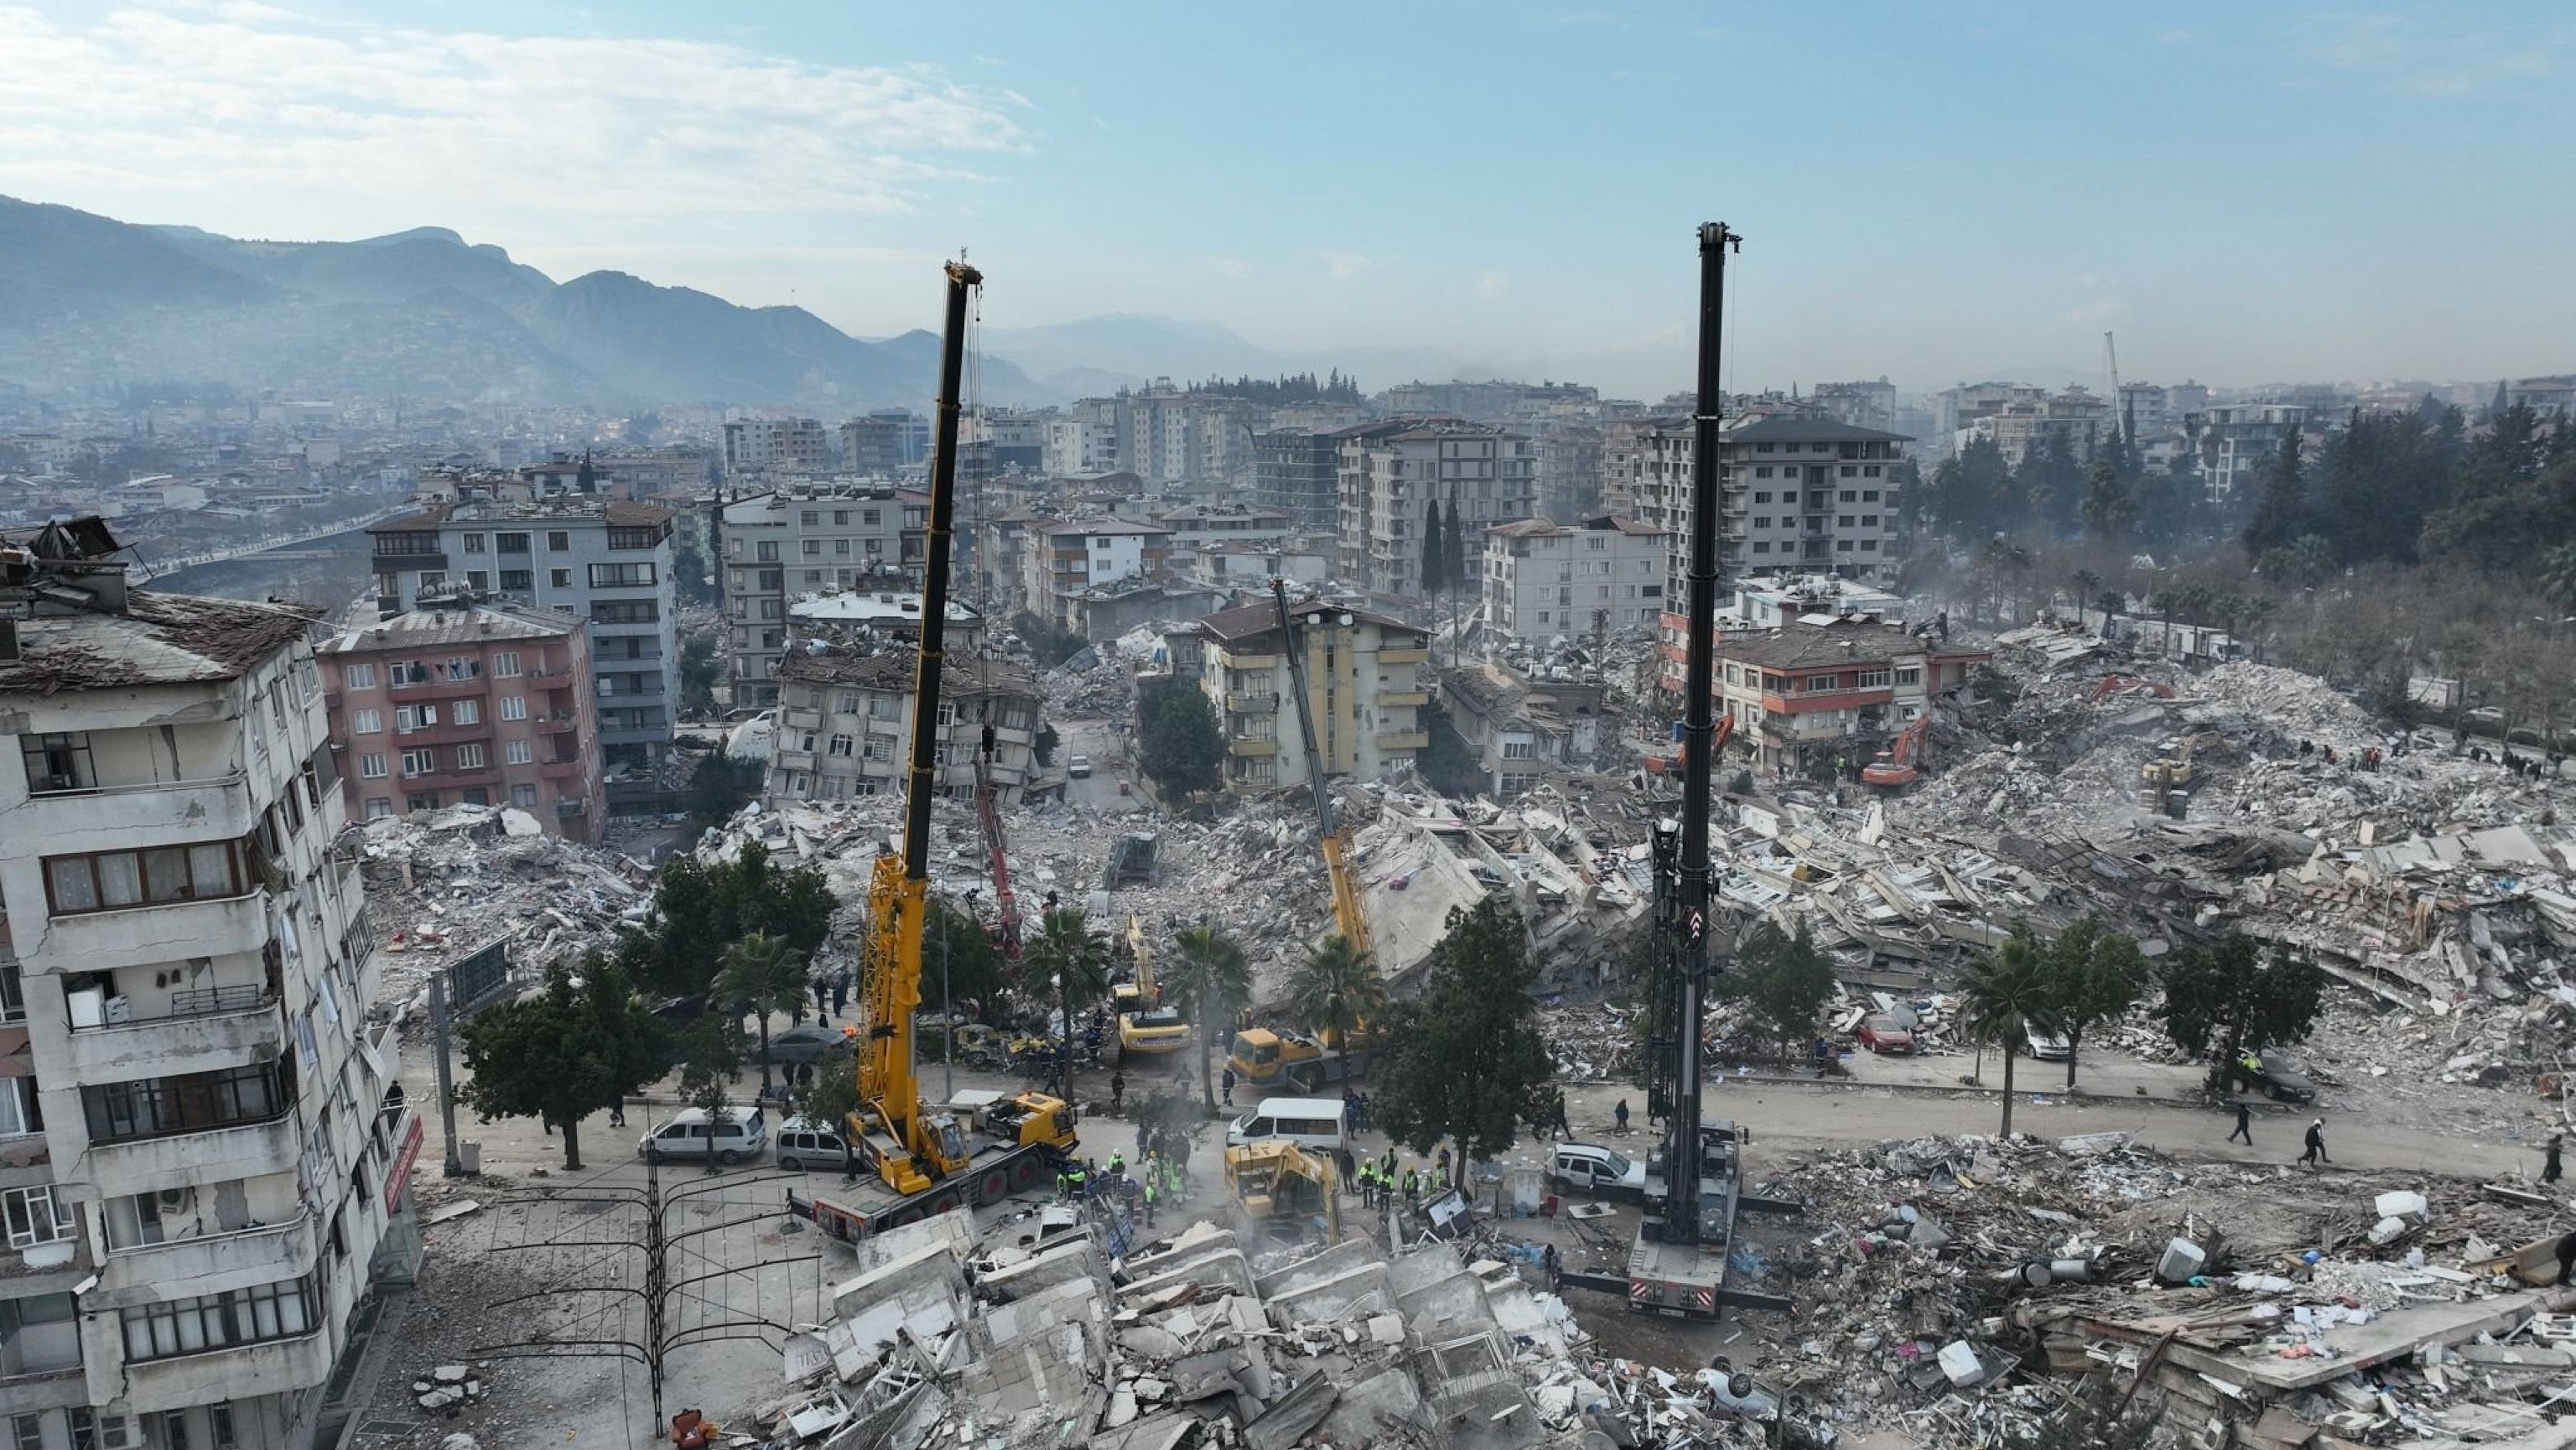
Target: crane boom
pixel 1337 847
pixel 988 814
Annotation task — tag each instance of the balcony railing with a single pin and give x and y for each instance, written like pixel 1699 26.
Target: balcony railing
pixel 194 1002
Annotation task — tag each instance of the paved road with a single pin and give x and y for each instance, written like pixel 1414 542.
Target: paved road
pixel 1109 763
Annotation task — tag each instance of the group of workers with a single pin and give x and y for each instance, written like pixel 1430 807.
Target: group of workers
pixel 1154 1181
pixel 1378 1183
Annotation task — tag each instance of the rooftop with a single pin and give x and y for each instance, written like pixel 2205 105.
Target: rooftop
pixel 455 623
pixel 1803 646
pixel 618 513
pixel 1780 428
pixel 896 669
pixel 161 639
pixel 1101 526
pixel 1546 529
pixel 1251 621
pixel 860 607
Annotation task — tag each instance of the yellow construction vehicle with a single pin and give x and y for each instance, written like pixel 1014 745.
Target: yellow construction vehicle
pixel 931 1160
pixel 2169 771
pixel 1286 1192
pixel 1145 1025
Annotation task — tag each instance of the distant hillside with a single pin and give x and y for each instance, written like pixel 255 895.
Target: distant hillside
pixel 86 301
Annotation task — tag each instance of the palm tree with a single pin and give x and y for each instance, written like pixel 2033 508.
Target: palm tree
pixel 1335 989
pixel 2005 995
pixel 761 974
pixel 1068 950
pixel 1210 977
pixel 2085 582
pixel 2111 603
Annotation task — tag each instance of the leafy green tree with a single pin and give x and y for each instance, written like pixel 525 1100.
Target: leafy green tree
pixel 759 975
pixel 2094 976
pixel 2110 602
pixel 1435 551
pixel 1210 978
pixel 2005 995
pixel 1179 744
pixel 1066 954
pixel 698 911
pixel 720 786
pixel 1464 1061
pixel 2085 582
pixel 2107 508
pixel 698 671
pixel 577 1045
pixel 1786 980
pixel 958 958
pixel 2231 997
pixel 2281 514
pixel 711 1054
pixel 1335 989
pixel 2558 575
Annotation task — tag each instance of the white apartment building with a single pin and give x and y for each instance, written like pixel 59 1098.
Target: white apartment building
pixel 845 725
pixel 1389 476
pixel 205 1158
pixel 776 548
pixel 775 445
pixel 2230 443
pixel 1080 447
pixel 1543 579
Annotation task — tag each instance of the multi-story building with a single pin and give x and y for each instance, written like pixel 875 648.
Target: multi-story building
pixel 641 473
pixel 1629 455
pixel 205 1158
pixel 1959 409
pixel 872 447
pixel 1078 447
pixel 1806 696
pixel 1568 470
pixel 1521 728
pixel 845 725
pixel 1066 558
pixel 1389 477
pixel 1863 404
pixel 2229 443
pixel 1367 679
pixel 1297 472
pixel 466 702
pixel 775 445
pixel 1543 579
pixel 775 548
pixel 1196 526
pixel 2078 421
pixel 605 560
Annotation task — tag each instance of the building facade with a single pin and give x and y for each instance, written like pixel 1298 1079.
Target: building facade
pixel 205 1157
pixel 1367 680
pixel 1388 478
pixel 1297 472
pixel 776 548
pixel 1808 699
pixel 775 445
pixel 2229 443
pixel 605 561
pixel 1071 557
pixel 1543 579
pixel 466 703
pixel 845 725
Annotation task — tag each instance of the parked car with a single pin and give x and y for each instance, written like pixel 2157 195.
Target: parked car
pixel 2048 1046
pixel 1597 1169
pixel 1078 767
pixel 812 1042
pixel 1882 1032
pixel 805 1143
pixel 2271 1072
pixel 689 1135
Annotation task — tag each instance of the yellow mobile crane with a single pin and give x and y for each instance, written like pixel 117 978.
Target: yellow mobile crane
pixel 928 1159
pixel 1263 1058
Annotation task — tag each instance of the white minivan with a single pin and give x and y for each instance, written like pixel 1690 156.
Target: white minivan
pixel 688 1135
pixel 1307 1122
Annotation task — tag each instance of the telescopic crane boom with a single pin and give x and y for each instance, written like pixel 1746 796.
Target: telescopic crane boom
pixel 1337 847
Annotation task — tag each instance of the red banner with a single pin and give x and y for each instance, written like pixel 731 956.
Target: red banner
pixel 399 1176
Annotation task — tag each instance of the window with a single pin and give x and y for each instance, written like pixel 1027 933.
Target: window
pixel 880 747
pixel 869 516
pixel 1517 750
pixel 523 796
pixel 632 538
pixel 625 611
pixel 813 548
pixel 34 1216
pixel 469 757
pixel 432 578
pixel 379 806
pixel 841 745
pixel 468 712
pixel 505 665
pixel 511 543
pixel 559 578
pixel 367 722
pixel 841 548
pixel 766 551
pixel 212 1321
pixel 419 762
pixel 408 718
pixel 58 762
pixel 514 707
pixel 1760 546
pixel 26 1432
pixel 558 541
pixel 1869 546
pixel 358 677
pixel 18 1115
pixel 191 1103
pixel 1850 471
pixel 810 517
pixel 371 766
pixel 13 995
pixel 426 800
pixel 474 543
pixel 1869 521
pixel 1870 471
pixel 1789 497
pixel 109 880
pixel 840 518
pixel 1843 522
pixel 1872 680
pixel 1869 495
pixel 1844 546
pixel 478 579
pixel 517 752
pixel 1761 521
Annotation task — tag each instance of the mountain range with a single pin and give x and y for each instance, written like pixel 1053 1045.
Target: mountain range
pixel 88 301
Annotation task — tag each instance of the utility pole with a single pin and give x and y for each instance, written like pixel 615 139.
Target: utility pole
pixel 454 1167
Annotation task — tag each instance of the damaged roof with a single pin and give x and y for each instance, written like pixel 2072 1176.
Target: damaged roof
pixel 895 670
pixel 1801 646
pixel 1251 621
pixel 161 639
pixel 433 624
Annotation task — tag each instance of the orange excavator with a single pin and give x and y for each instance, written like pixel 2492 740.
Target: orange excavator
pixel 2114 684
pixel 1895 766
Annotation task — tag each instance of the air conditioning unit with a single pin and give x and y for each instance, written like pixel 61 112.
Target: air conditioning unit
pixel 175 1200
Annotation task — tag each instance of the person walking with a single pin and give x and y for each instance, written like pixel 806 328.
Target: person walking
pixel 1563 1126
pixel 1620 1112
pixel 1117 1091
pixel 822 991
pixel 2316 1145
pixel 2549 1167
pixel 1225 1081
pixel 617 1119
pixel 1149 1198
pixel 840 990
pixel 2244 1124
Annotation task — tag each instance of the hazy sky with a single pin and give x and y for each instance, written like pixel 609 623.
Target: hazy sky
pixel 2245 192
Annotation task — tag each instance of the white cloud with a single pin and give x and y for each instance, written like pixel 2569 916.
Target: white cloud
pixel 2442 64
pixel 151 104
pixel 1491 284
pixel 1342 266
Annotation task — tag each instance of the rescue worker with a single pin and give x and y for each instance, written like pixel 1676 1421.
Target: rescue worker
pixel 1225 1080
pixel 1117 1165
pixel 2316 1144
pixel 2244 1124
pixel 1620 1112
pixel 1117 1091
pixel 1149 1201
pixel 2550 1169
pixel 1412 1186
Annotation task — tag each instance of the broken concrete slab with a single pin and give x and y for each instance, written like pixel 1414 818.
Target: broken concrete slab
pixel 1289 1418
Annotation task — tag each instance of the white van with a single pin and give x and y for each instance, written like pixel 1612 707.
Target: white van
pixel 688 1135
pixel 806 1143
pixel 1307 1122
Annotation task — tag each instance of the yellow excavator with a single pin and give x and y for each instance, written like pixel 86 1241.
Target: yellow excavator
pixel 1284 1190
pixel 1146 1026
pixel 929 1159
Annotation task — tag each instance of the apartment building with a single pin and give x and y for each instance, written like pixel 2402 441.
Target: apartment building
pixel 1067 558
pixel 205 1156
pixel 872 447
pixel 776 548
pixel 1388 477
pixel 845 725
pixel 1807 697
pixel 1520 728
pixel 1078 447
pixel 2229 443
pixel 1367 679
pixel 606 561
pixel 468 702
pixel 1543 579
pixel 2077 420
pixel 1297 472
pixel 775 445
pixel 1568 470
pixel 1196 526
pixel 1956 411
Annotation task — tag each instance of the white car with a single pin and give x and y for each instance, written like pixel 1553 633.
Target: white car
pixel 1601 1170
pixel 1078 766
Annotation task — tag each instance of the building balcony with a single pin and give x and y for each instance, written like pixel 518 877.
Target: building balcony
pixel 438 689
pixel 205 1155
pixel 209 1263
pixel 1252 747
pixel 556 724
pixel 446 732
pixel 110 817
pixel 164 932
pixel 1251 702
pixel 203 1030
pixel 1391 699
pixel 46 1268
pixel 801 718
pixel 183 1380
pixel 1404 740
pixel 561 769
pixel 793 759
